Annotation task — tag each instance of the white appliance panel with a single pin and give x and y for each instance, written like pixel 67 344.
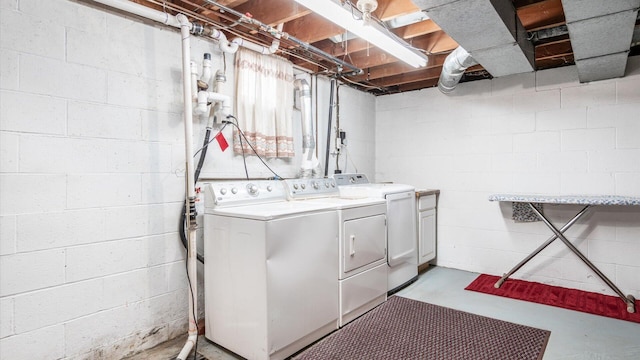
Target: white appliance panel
pixel 265 299
pixel 362 292
pixel 364 242
pixel 401 227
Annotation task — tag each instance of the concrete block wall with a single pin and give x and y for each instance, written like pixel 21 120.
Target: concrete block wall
pixel 540 132
pixel 92 178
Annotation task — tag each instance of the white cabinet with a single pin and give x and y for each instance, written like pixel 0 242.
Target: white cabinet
pixel 426 228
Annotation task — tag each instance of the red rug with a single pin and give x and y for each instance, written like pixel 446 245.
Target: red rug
pixel 572 299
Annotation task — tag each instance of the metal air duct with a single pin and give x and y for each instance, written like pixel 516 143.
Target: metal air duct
pixel 489 30
pixel 452 69
pixel 601 33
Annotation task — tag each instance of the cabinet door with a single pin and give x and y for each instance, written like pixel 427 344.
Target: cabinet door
pixel 427 236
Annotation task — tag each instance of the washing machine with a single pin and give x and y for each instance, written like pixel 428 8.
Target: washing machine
pixel 402 249
pixel 270 271
pixel 362 245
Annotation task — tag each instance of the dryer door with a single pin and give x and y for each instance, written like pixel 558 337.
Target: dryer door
pixel 363 242
pixel 401 228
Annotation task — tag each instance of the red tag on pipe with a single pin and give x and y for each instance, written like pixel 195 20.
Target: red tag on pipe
pixel 222 141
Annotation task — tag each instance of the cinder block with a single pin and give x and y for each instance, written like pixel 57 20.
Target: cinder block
pixel 7 235
pixel 154 280
pixel 164 249
pixel 627 278
pixel 8 152
pixel 64 155
pixel 58 304
pixel 543 141
pixel 32 193
pixel 138 156
pixel 143 93
pixel 103 121
pixel 537 101
pixel 627 160
pixel 48 41
pixel 44 343
pixel 32 113
pixel 72 14
pixel 61 229
pixel 588 139
pixel 614 252
pixel 93 190
pixel 587 184
pixel 627 184
pixel 557 162
pixel 31 271
pixel 6 314
pixel 162 126
pixel 88 48
pixel 592 94
pixel 537 182
pixel 105 258
pixel 162 187
pixel 610 115
pixel 492 106
pixel 575 118
pixel 8 69
pixel 136 221
pixel 45 76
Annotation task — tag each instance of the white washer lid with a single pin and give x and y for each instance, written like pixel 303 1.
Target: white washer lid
pixel 272 210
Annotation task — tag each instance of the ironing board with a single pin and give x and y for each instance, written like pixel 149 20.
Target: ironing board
pixel 588 202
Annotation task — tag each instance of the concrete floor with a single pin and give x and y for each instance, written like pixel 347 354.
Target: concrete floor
pixel 574 335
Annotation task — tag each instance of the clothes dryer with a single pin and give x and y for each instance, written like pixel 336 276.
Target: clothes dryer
pixel 362 245
pixel 402 249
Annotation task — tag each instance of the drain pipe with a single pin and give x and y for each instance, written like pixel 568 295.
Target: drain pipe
pixel 454 66
pixel 326 153
pixel 141 10
pixel 310 167
pixel 192 270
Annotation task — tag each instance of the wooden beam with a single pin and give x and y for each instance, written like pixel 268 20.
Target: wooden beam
pixel 415 76
pixel 397 68
pixel 273 12
pixel 541 15
pixel 389 9
pixel 553 48
pixel 312 28
pixel 418 85
pixel 418 29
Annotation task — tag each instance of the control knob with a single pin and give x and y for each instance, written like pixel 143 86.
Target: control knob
pixel 223 191
pixel 234 190
pixel 252 189
pixel 315 185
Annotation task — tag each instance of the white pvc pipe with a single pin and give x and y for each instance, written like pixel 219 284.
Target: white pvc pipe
pixel 275 44
pixel 142 10
pixel 223 43
pixel 206 70
pixel 194 79
pixel 185 27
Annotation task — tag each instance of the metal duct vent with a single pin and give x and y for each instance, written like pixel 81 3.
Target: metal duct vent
pixel 489 30
pixel 601 33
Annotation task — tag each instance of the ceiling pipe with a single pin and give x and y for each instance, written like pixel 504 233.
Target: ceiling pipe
pixel 310 167
pixel 353 70
pixel 141 10
pixel 453 68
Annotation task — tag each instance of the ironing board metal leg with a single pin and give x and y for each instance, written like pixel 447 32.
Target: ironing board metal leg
pixel 627 299
pixel 540 248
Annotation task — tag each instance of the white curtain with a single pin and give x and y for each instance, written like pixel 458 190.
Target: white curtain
pixel 264 104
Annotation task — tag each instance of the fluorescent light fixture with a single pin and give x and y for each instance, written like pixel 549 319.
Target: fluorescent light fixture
pixel 350 19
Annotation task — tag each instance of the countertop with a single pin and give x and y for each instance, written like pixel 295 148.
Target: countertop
pixel 425 192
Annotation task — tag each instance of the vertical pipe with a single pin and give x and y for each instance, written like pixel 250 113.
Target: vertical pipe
pixel 326 153
pixel 185 27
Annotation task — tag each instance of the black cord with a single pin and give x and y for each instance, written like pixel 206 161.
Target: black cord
pixel 240 135
pixel 251 146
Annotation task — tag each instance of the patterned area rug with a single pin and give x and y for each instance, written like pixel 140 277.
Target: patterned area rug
pixel 403 328
pixel 572 299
